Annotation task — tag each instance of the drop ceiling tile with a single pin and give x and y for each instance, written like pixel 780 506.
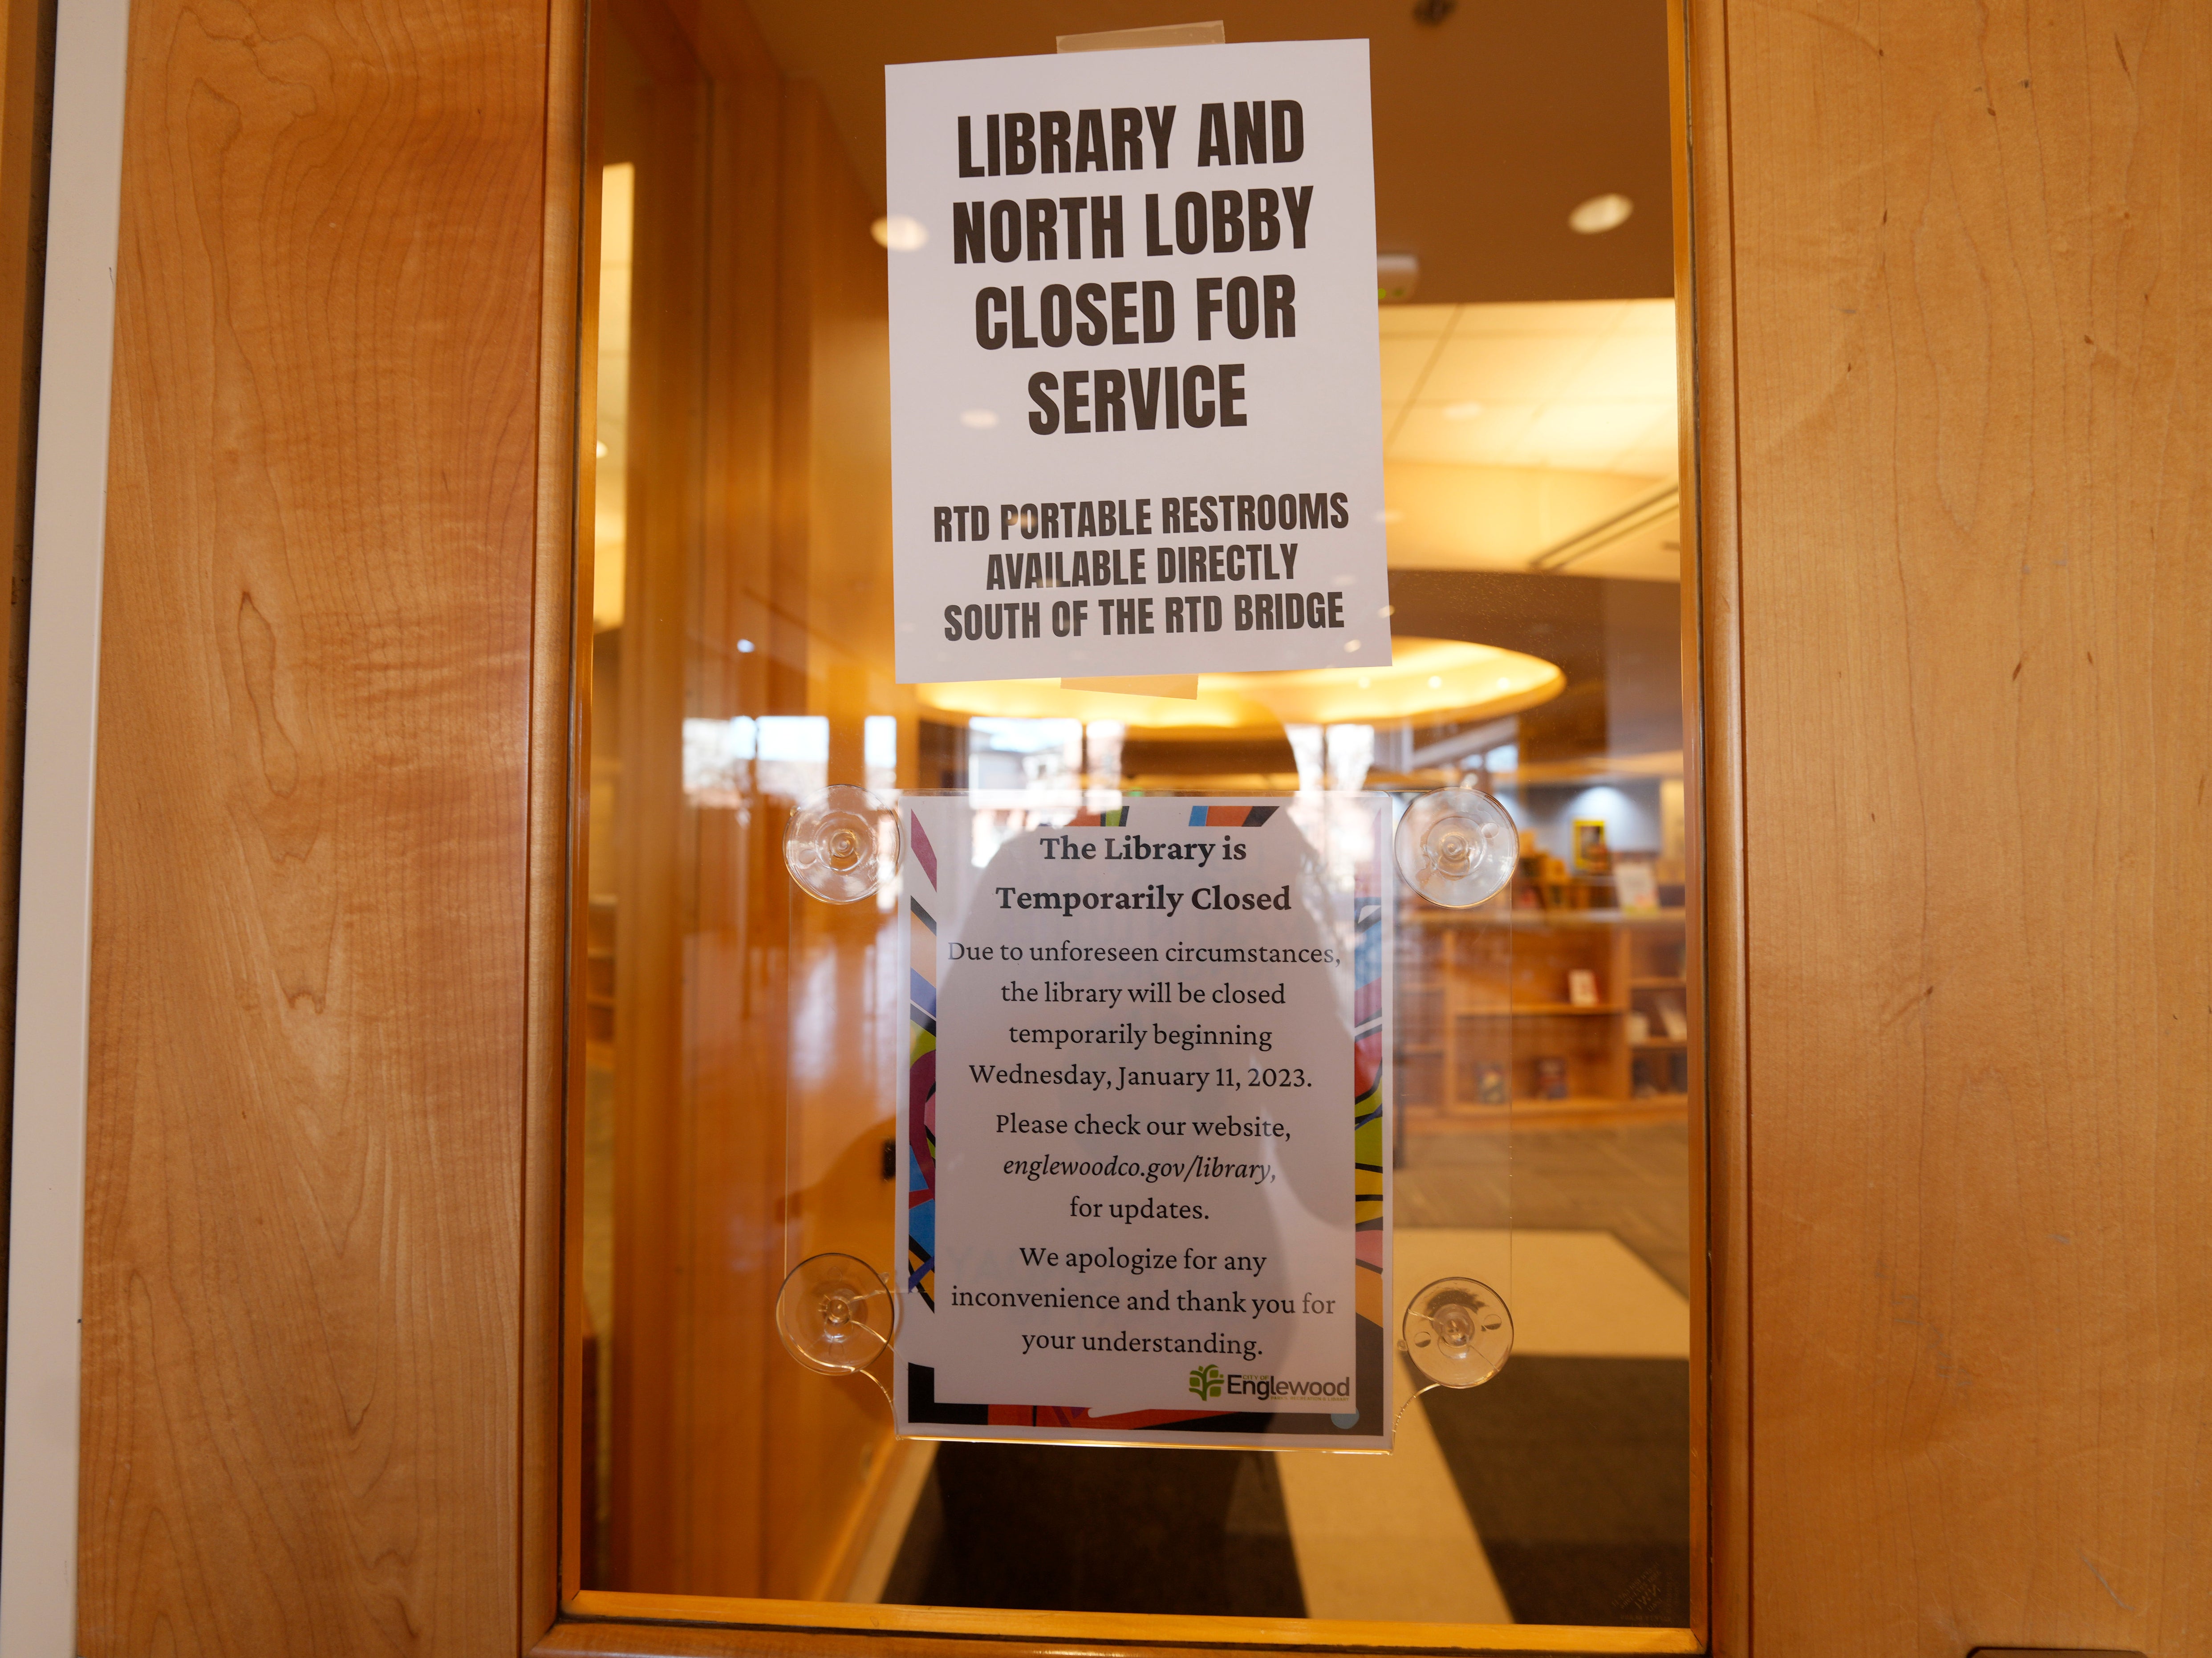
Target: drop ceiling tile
pixel 1648 316
pixel 1658 451
pixel 1584 385
pixel 1625 365
pixel 1505 367
pixel 1584 435
pixel 1426 321
pixel 1492 438
pixel 1583 317
pixel 1404 357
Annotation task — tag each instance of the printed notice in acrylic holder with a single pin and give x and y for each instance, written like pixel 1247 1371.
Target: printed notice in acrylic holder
pixel 1144 1194
pixel 1136 406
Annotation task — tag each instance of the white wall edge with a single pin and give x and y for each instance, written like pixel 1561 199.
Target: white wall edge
pixel 46 1273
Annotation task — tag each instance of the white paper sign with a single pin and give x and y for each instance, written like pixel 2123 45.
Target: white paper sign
pixel 1136 405
pixel 1144 1194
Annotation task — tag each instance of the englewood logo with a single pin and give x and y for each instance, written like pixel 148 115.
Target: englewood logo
pixel 1207 1381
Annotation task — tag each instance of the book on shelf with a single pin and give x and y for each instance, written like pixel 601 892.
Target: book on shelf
pixel 1676 1021
pixel 1582 987
pixel 1636 884
pixel 1551 1077
pixel 1490 1085
pixel 1639 1028
pixel 1592 855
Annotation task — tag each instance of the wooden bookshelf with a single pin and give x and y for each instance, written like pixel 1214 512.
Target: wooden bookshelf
pixel 1488 1033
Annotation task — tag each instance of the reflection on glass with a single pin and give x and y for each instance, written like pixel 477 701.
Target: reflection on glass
pixel 740 1039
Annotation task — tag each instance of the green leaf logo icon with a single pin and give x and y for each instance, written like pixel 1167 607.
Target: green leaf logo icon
pixel 1206 1381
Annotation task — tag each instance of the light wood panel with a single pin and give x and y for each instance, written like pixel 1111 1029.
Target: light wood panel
pixel 811 1627
pixel 1971 246
pixel 1712 658
pixel 560 748
pixel 303 1285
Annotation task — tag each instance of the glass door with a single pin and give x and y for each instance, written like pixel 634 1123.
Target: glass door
pixel 1525 1094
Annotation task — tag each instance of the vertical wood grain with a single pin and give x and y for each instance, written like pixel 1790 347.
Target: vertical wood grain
pixel 303 1290
pixel 650 67
pixel 1972 247
pixel 560 744
pixel 1712 699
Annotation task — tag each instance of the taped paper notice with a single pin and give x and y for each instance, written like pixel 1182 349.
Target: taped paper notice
pixel 1136 420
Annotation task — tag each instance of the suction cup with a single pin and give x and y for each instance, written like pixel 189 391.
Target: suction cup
pixel 839 843
pixel 836 1314
pixel 1457 847
pixel 1458 1333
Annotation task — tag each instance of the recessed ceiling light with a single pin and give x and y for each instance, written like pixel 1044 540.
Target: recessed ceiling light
pixel 1461 410
pixel 899 234
pixel 979 420
pixel 1436 682
pixel 603 448
pixel 1601 214
pixel 744 645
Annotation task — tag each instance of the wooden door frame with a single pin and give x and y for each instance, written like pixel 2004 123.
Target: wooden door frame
pixel 559 831
pixel 40 1551
pixel 583 1622
pixel 58 840
pixel 1712 679
pixel 467 1552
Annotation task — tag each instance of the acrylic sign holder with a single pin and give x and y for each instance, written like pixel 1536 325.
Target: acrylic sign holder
pixel 836 1314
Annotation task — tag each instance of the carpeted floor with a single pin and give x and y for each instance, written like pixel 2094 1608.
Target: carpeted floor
pixel 1632 1180
pixel 1073 1528
pixel 1576 1472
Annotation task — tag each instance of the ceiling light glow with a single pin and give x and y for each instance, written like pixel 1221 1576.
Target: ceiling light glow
pixel 1601 214
pixel 1431 680
pixel 900 234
